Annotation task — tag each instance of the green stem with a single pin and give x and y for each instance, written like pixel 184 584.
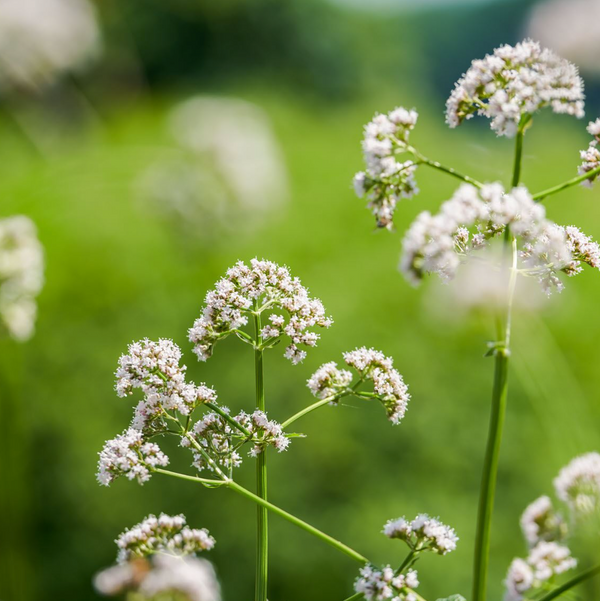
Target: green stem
pixel 499 398
pixel 228 418
pixel 448 170
pixel 568 184
pixel 298 522
pixel 306 410
pixel 159 470
pixel 590 573
pixel 518 158
pixel 407 562
pixel 354 597
pixel 262 525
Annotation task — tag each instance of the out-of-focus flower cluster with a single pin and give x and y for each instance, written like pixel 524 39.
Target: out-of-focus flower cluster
pixel 227 171
pixel 591 157
pixel 261 286
pixel 545 530
pixel 388 386
pixel 386 180
pixel 157 557
pixel 571 28
pixel 515 82
pixel 129 455
pixel 21 275
pixel 40 40
pixel 221 441
pixel 471 218
pixel 424 533
pixel 382 584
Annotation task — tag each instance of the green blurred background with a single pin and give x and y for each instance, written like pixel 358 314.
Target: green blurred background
pixel 118 270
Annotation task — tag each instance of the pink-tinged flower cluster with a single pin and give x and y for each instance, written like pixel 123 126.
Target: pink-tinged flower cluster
pixel 386 180
pixel 131 456
pixel 381 584
pixel 247 290
pixel 513 83
pixel 591 156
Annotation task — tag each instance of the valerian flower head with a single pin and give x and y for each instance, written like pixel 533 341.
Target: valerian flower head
pixel 221 441
pixel 540 522
pixel 380 584
pixel 256 288
pixel 386 180
pixel 545 560
pixel 163 534
pixel 472 218
pixel 578 483
pixel 328 380
pixel 388 386
pixel 218 440
pixel 154 368
pixel 591 157
pixel 513 83
pixel 21 275
pixel 424 533
pixel 264 432
pixel 129 455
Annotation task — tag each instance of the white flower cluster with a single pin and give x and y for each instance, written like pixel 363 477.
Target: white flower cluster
pixel 540 522
pixel 578 483
pixel 465 223
pixel 386 180
pixel 264 432
pixel 424 533
pixel 329 381
pixel 21 275
pixel 154 368
pixel 591 156
pixel 515 82
pixel 129 455
pixel 221 441
pixel 163 534
pixel 388 385
pixel 261 286
pixel 545 560
pixel 384 584
pixel 43 39
pixel 192 579
pixel 216 436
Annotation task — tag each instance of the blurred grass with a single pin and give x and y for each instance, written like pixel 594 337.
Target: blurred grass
pixel 116 272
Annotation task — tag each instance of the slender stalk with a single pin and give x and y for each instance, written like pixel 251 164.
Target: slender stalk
pixel 298 522
pixel 159 470
pixel 306 410
pixel 354 597
pixel 262 525
pixel 488 481
pixel 499 398
pixel 568 184
pixel 563 588
pixel 518 158
pixel 448 170
pixel 228 418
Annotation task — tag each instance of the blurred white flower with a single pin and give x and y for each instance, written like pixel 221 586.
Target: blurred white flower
pixel 21 275
pixel 40 40
pixel 571 28
pixel 191 578
pixel 228 168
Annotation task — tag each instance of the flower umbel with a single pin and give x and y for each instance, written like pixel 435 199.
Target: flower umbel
pixel 131 456
pixel 386 180
pixel 512 84
pixel 591 157
pixel 247 290
pixel 424 533
pixel 380 584
pixel 164 534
